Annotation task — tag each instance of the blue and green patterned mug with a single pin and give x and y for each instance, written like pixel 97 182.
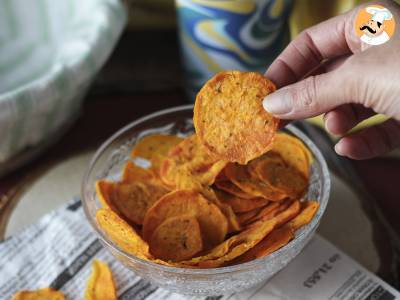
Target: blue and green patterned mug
pixel 217 35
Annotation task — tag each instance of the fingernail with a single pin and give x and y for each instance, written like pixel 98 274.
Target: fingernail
pixel 278 103
pixel 339 149
pixel 328 123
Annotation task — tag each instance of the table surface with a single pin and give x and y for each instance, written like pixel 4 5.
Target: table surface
pixel 114 102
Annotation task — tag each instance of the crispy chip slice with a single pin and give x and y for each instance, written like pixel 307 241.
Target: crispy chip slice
pixel 288 214
pixel 100 285
pixel 231 188
pixel 293 152
pixel 229 117
pixel 122 234
pixel 43 294
pixel 213 223
pixel 177 238
pixel 243 218
pixel 234 246
pixel 189 160
pixel 133 173
pixel 283 178
pixel 308 210
pixel 155 148
pixel 241 205
pixel 275 240
pixel 268 211
pixel 251 184
pixel 233 222
pixel 131 201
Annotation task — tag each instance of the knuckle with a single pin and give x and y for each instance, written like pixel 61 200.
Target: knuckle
pixel 305 96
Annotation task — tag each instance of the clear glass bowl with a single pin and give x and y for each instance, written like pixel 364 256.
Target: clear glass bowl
pixel 108 163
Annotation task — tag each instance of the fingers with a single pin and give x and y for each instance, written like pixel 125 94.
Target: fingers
pixel 343 118
pixel 309 97
pixel 370 142
pixel 329 39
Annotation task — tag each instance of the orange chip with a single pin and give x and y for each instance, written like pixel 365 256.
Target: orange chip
pixel 308 210
pixel 190 160
pixel 133 173
pixel 233 222
pixel 272 242
pixel 100 285
pixel 267 212
pixel 154 148
pixel 288 214
pixel 122 234
pixel 176 239
pixel 241 205
pixel 44 294
pixel 251 184
pixel 213 223
pixel 281 177
pixel 131 201
pixel 229 187
pixel 229 117
pixel 243 218
pixel 234 246
pixel 293 152
pixel 221 176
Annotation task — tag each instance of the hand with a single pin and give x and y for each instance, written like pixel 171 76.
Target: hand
pixel 349 82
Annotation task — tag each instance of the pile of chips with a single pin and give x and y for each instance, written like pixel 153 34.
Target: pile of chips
pixel 223 196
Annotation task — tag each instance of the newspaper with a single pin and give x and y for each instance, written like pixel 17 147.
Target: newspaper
pixel 59 249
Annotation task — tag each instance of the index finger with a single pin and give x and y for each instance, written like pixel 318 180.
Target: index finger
pixel 330 39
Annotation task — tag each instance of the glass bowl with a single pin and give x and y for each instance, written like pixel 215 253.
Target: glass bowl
pixel 108 162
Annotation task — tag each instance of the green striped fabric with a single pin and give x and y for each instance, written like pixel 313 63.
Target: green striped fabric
pixel 50 52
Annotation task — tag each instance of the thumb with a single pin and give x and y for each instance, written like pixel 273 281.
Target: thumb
pixel 307 98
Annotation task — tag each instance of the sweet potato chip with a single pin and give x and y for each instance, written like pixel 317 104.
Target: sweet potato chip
pixel 243 218
pixel 230 188
pixel 190 160
pixel 293 152
pixel 100 285
pixel 308 210
pixel 213 223
pixel 234 246
pixel 241 205
pixel 251 184
pixel 233 222
pixel 272 242
pixel 122 234
pixel 288 214
pixel 177 238
pixel 283 178
pixel 42 294
pixel 155 148
pixel 267 212
pixel 131 201
pixel 133 173
pixel 229 117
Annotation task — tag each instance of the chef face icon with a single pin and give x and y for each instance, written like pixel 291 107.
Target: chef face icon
pixel 373 29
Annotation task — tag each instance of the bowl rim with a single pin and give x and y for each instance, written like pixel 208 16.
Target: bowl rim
pixel 210 271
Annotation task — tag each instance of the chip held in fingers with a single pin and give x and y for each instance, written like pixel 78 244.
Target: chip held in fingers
pixel 229 117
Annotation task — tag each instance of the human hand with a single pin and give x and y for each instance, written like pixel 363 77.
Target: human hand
pixel 350 82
